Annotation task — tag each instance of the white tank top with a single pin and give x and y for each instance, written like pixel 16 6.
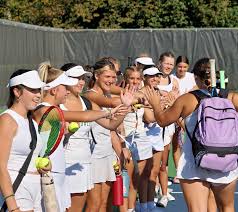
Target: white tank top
pixel 57 158
pixel 78 147
pixel 133 122
pixel 168 87
pixel 20 148
pixel 102 136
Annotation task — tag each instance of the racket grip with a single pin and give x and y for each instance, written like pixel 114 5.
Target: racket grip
pixel 213 72
pixel 222 79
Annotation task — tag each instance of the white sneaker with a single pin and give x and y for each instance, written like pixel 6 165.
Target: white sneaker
pixel 169 183
pixel 170 197
pixel 163 201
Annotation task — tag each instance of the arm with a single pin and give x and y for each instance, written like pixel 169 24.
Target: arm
pixel 103 101
pixel 110 124
pixel 8 128
pixel 149 116
pixel 172 114
pixel 234 98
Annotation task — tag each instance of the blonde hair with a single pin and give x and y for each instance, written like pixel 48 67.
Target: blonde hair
pixel 48 73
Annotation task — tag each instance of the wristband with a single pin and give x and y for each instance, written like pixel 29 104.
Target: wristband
pixel 11 195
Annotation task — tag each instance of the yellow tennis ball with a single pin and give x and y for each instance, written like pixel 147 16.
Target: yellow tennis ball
pixel 43 162
pixel 37 160
pixel 73 127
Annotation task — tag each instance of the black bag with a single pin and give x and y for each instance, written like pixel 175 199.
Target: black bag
pixel 23 170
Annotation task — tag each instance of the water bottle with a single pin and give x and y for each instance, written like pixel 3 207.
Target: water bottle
pixel 117 191
pixel 126 183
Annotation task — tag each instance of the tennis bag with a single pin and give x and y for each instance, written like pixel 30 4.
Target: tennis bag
pixel 215 137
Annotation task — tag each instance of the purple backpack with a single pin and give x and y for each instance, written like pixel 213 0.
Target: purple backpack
pixel 215 137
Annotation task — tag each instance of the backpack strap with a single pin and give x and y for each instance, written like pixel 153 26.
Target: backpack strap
pixel 223 93
pixel 199 95
pixel 87 102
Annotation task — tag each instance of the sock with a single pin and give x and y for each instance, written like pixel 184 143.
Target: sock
pixel 150 205
pixel 143 207
pixel 131 210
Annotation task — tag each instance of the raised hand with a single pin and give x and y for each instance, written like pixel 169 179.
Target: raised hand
pixel 128 96
pixel 120 110
pixel 152 96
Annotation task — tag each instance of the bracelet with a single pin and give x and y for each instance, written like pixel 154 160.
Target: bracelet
pixel 11 195
pixel 15 209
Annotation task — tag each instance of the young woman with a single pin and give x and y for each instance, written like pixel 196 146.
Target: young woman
pixel 186 83
pixel 140 143
pixel 55 93
pixel 25 86
pixel 154 134
pixel 196 182
pixel 103 153
pixel 77 149
pixel 168 86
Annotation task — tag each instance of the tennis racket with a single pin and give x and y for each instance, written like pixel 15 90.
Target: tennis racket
pixel 51 129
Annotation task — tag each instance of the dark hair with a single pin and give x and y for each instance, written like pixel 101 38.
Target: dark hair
pixel 68 66
pixel 165 54
pixel 12 97
pixel 182 59
pixel 202 68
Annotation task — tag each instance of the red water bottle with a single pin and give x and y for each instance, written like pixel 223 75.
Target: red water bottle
pixel 117 191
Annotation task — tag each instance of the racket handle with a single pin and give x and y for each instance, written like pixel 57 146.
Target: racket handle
pixel 222 79
pixel 213 72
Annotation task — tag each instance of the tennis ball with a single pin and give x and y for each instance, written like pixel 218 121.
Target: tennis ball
pixel 73 127
pixel 41 162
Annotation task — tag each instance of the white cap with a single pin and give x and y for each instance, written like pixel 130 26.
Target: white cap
pixel 30 79
pixel 152 71
pixel 77 71
pixel 144 60
pixel 62 79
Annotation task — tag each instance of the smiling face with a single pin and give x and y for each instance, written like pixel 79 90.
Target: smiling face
pixel 134 79
pixel 167 65
pixel 152 80
pixel 60 93
pixel 28 97
pixel 181 69
pixel 105 79
pixel 77 89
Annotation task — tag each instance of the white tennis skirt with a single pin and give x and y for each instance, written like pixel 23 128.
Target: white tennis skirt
pixel 79 177
pixel 102 169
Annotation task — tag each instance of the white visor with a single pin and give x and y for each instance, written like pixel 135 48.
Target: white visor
pixel 62 79
pixel 152 71
pixel 77 71
pixel 29 79
pixel 144 60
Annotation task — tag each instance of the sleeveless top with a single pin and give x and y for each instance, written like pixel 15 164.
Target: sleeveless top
pixel 187 168
pixel 168 87
pixel 102 136
pixel 57 157
pixel 77 149
pixel 20 145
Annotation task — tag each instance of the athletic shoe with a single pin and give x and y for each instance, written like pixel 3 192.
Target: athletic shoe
pixel 163 201
pixel 170 197
pixel 169 183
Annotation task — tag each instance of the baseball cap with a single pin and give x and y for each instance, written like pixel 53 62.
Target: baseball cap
pixel 77 71
pixel 62 79
pixel 152 71
pixel 144 60
pixel 30 79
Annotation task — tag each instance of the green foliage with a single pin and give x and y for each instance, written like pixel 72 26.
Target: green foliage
pixel 122 14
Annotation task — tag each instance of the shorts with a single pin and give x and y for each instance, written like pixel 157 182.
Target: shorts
pixel 79 172
pixel 28 195
pixel 102 169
